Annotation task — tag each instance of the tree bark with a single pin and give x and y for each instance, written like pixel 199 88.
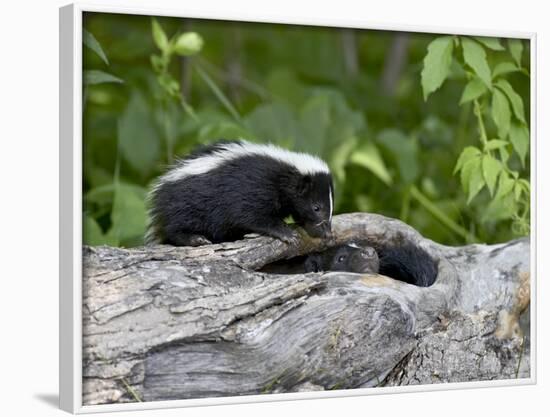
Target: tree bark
pixel 166 322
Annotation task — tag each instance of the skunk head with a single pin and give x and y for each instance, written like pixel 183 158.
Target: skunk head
pixel 349 258
pixel 313 203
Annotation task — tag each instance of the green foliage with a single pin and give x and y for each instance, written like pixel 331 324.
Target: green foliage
pixel 91 42
pixel 169 85
pixel 99 77
pixel 96 76
pixel 437 64
pixel 476 59
pixel 482 167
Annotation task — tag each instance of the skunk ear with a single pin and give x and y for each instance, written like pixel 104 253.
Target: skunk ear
pixel 313 263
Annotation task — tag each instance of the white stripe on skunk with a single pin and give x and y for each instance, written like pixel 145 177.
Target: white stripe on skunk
pixel 305 164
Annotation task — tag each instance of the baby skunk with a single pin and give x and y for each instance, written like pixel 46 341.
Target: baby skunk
pixel 406 262
pixel 223 191
pixel 348 258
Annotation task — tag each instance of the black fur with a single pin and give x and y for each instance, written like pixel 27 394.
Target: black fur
pixel 344 258
pixel 407 263
pixel 248 194
pixel 339 258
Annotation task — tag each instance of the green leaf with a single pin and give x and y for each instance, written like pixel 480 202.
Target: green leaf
pixel 129 215
pixel 491 43
pixel 501 113
pixel 505 185
pixel 92 233
pixel 91 42
pixel 273 122
pixel 491 170
pixel 515 98
pixel 518 189
pixel 189 43
pixel 519 136
pixel 160 38
pixel 526 185
pixel 475 57
pixel 495 144
pixel 159 62
pixel 92 77
pixel 504 68
pixel 404 150
pixel 169 84
pixel 466 172
pixel 469 153
pixel 500 209
pixel 284 84
pixel 138 139
pixel 437 64
pixel 315 118
pixel 504 154
pixel 340 157
pixel 474 89
pixel 476 180
pixel 516 50
pixel 369 157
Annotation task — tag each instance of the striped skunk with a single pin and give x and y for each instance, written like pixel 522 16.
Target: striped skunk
pixel 407 263
pixel 348 257
pixel 222 191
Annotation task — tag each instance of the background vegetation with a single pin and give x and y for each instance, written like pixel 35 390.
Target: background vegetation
pixel 429 129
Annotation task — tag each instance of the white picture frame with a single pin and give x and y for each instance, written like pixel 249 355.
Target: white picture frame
pixel 70 153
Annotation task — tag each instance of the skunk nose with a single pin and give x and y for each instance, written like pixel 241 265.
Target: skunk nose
pixel 368 253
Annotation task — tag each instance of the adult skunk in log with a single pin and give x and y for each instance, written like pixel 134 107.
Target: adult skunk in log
pixel 223 191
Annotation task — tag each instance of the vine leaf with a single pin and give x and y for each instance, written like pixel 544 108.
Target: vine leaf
pixel 472 178
pixel 475 57
pixel 491 169
pixel 501 113
pixel 503 68
pixel 474 89
pixel 91 42
pixel 92 77
pixel 505 185
pixel 519 136
pixel 469 153
pixel 516 50
pixel 491 43
pixel 138 138
pixel 437 64
pixel 369 157
pixel 515 98
pixel 159 36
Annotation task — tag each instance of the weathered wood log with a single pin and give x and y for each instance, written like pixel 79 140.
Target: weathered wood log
pixel 163 323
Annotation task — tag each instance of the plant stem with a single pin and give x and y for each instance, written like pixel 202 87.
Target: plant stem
pixel 440 215
pixel 482 131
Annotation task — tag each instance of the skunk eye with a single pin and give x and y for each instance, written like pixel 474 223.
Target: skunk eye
pixel 342 258
pixel 316 208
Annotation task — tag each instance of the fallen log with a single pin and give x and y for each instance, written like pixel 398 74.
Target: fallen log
pixel 162 322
